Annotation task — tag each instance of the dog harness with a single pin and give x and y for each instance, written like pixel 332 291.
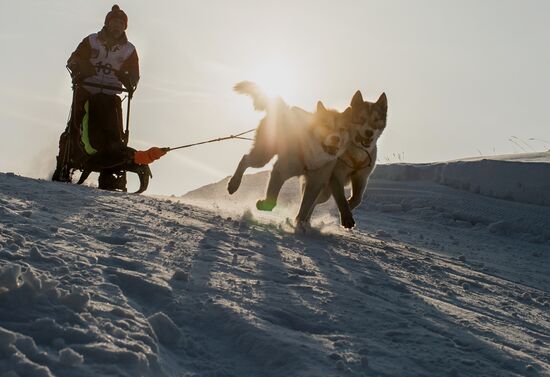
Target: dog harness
pixel 357 164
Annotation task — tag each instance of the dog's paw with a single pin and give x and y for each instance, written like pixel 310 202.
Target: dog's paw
pixel 266 205
pixel 233 185
pixel 348 222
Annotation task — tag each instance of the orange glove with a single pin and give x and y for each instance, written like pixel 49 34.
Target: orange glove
pixel 150 155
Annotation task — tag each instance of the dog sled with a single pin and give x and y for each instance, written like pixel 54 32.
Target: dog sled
pixel 95 141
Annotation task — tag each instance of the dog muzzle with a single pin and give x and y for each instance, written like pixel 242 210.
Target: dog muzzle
pixel 331 149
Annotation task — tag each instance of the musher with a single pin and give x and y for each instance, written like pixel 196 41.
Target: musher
pixel 105 58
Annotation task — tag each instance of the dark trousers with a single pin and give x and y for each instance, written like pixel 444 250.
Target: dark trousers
pixel 104 132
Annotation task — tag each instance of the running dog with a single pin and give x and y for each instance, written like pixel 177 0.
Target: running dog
pixel 307 144
pixel 358 161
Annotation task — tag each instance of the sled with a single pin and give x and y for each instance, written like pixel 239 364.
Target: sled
pixel 101 128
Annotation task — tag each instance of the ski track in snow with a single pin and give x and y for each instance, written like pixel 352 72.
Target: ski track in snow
pixel 433 282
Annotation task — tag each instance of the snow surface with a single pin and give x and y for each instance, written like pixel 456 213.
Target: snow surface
pixel 435 281
pixel 523 177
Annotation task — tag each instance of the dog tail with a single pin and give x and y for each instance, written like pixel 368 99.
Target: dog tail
pixel 261 100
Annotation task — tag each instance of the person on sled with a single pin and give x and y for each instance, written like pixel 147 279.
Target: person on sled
pixel 95 126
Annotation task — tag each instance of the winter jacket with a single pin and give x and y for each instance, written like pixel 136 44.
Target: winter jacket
pixel 100 59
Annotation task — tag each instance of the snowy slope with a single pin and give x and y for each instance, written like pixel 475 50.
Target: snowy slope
pixel 434 282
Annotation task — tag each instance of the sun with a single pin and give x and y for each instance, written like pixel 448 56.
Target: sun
pixel 275 76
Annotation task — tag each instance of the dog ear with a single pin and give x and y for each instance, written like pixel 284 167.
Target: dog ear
pixel 357 99
pixel 320 107
pixel 383 101
pixel 347 113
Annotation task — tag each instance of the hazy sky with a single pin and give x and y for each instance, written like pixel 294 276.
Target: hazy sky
pixel 463 78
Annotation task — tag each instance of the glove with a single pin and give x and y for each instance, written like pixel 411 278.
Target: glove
pixel 81 69
pixel 150 155
pixel 127 79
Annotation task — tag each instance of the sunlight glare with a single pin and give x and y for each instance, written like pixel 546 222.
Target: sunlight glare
pixel 276 77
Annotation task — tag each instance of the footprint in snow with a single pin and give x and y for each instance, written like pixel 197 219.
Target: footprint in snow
pixel 113 240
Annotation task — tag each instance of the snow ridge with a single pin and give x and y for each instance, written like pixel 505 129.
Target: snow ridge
pixel 524 178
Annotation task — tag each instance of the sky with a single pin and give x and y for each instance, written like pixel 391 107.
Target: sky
pixel 463 78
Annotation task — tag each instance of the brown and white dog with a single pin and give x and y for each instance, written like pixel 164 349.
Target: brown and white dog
pixel 358 161
pixel 307 144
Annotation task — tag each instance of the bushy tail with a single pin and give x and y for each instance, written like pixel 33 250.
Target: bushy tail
pixel 261 100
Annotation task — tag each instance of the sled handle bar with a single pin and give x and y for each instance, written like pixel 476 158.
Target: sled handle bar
pixel 109 87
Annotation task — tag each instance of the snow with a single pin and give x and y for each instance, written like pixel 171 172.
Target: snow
pixel 524 178
pixel 438 279
pixel 68 357
pixel 165 329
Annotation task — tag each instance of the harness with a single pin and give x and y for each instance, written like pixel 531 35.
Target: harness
pixel 356 164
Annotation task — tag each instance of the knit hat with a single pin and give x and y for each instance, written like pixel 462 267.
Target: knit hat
pixel 117 13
